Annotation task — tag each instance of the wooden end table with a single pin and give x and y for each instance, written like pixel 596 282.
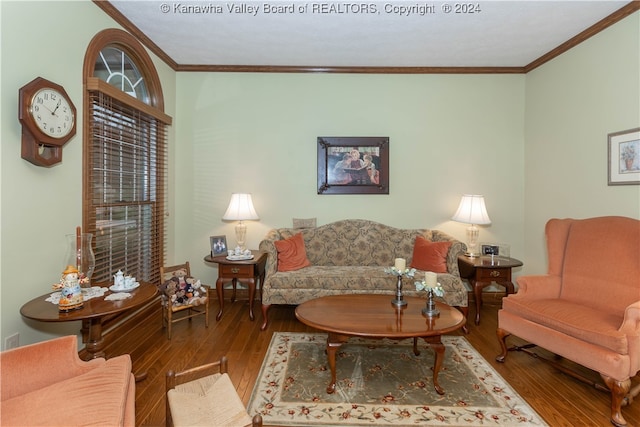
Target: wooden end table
pixel 247 271
pixel 483 271
pixel 375 316
pixel 91 315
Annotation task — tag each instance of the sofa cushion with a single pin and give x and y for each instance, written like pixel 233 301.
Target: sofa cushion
pixel 291 253
pixel 100 393
pixel 585 323
pixel 430 256
pixel 295 287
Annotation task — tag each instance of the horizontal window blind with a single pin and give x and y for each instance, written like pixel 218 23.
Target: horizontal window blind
pixel 125 207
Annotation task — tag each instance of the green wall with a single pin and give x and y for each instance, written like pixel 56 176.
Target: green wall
pixel 449 135
pixel 572 103
pixel 41 205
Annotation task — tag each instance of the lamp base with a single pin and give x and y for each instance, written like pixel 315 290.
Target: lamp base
pixel 472 241
pixel 241 233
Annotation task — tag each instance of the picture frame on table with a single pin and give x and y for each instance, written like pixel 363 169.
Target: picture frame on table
pixel 490 250
pixel 218 245
pixel 624 157
pixel 353 165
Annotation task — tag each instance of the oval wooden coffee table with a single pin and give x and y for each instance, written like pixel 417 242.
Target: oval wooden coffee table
pixel 374 316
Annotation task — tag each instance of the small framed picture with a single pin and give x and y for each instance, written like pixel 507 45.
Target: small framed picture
pixel 218 245
pixel 491 250
pixel 624 157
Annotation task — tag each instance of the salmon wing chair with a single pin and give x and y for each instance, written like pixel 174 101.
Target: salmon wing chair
pixel 587 307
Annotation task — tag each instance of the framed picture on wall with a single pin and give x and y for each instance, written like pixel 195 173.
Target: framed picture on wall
pixel 353 165
pixel 218 245
pixel 624 157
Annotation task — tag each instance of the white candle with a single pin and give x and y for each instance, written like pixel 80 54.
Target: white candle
pixel 430 279
pixel 401 264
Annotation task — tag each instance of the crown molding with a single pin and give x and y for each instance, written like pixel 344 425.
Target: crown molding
pixel 615 17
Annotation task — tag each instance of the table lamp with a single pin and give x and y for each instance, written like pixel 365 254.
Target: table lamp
pixel 472 211
pixel 240 209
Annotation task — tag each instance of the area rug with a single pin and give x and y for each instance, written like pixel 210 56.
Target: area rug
pixel 382 383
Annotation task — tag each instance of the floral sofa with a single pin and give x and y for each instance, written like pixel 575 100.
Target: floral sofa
pixel 349 256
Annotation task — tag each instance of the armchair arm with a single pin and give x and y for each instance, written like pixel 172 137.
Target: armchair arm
pixel 538 287
pixel 38 365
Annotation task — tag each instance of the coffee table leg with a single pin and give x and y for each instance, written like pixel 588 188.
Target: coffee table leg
pixel 334 342
pixel 436 344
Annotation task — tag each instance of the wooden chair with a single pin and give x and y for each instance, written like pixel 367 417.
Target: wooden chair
pixel 169 309
pixel 205 396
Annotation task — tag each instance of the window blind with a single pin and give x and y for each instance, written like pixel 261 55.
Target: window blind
pixel 126 178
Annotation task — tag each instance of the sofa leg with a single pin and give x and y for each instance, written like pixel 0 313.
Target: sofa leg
pixel 502 337
pixel 265 319
pixel 619 391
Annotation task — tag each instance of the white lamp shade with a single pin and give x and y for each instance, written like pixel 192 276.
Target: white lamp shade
pixel 472 210
pixel 240 208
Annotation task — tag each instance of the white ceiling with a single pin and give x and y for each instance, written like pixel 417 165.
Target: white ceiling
pixel 341 34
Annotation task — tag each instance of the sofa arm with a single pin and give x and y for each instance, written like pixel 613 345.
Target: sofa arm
pixel 457 248
pixel 631 322
pixel 631 328
pixel 38 365
pixel 267 245
pixel 538 287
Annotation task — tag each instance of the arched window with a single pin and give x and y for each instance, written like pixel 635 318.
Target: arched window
pixel 124 157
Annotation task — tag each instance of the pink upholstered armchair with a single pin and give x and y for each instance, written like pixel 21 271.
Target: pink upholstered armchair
pixel 587 307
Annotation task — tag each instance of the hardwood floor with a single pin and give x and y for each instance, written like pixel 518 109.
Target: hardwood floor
pixel 558 398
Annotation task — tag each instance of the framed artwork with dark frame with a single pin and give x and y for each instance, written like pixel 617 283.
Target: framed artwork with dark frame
pixel 218 245
pixel 624 157
pixel 353 165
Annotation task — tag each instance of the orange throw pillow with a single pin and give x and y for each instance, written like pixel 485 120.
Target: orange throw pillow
pixel 430 256
pixel 291 253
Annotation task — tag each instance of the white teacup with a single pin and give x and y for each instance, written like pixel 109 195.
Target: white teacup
pixel 129 282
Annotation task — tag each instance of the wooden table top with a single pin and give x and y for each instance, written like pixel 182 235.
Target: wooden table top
pixel 222 259
pixel 44 311
pixel 487 261
pixel 374 316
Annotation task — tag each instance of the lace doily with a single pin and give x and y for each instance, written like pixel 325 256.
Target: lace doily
pixel 87 293
pixel 117 296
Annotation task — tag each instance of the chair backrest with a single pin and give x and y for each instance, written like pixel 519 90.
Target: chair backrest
pixel 167 273
pixel 598 259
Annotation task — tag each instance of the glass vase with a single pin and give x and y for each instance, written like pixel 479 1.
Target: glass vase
pixel 80 255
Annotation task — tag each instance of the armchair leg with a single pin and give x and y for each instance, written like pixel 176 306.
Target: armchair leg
pixel 502 337
pixel 619 391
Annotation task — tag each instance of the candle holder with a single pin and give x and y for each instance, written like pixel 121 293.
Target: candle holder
pixel 399 301
pixel 430 310
pixel 432 291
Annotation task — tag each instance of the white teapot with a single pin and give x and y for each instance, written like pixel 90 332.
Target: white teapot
pixel 118 279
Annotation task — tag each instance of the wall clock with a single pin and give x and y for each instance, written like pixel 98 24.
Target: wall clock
pixel 48 119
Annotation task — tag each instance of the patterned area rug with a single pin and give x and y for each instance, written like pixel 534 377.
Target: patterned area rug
pixel 382 383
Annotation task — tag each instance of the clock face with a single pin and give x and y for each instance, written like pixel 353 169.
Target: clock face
pixel 52 113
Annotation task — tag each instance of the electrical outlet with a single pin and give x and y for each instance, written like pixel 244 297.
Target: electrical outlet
pixel 12 341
